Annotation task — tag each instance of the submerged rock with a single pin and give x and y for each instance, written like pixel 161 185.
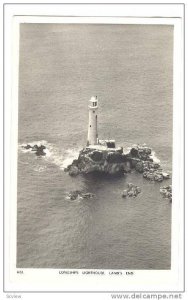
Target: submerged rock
pixel 74 195
pixel 27 147
pixel 166 192
pixel 155 175
pixel 39 150
pixel 131 191
pixel 87 195
pixel 124 194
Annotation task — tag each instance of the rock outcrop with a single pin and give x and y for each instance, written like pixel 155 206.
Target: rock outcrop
pixel 166 192
pixel 142 161
pixel 103 161
pixel 39 150
pixel 75 195
pixel 116 162
pixel 131 191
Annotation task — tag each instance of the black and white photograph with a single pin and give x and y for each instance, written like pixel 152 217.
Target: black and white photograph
pixel 94 149
pixel 95 146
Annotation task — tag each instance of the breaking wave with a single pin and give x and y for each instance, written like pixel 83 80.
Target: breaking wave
pixel 38 143
pixel 38 168
pixel 154 157
pixel 60 157
pixel 70 155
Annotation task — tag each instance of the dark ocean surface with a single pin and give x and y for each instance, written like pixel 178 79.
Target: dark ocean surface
pixel 130 69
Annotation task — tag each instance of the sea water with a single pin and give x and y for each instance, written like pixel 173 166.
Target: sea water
pixel 129 68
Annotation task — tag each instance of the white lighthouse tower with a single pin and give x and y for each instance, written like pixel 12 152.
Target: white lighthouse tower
pixel 92 138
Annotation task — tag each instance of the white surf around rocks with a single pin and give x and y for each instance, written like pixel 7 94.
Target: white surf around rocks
pixel 50 152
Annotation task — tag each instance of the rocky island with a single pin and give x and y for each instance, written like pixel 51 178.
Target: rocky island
pixel 117 163
pixel 103 161
pixel 104 157
pixel 39 150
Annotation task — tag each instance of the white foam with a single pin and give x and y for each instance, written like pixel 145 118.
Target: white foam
pixel 23 149
pixel 48 153
pixel 69 156
pixel 155 158
pixel 38 143
pixel 39 169
pixel 53 154
pixel 59 157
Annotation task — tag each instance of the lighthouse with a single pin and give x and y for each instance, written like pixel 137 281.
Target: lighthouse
pixel 92 138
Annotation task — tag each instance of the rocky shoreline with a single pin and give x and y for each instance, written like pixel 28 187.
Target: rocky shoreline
pixel 143 162
pixel 113 163
pixel 92 160
pixel 139 158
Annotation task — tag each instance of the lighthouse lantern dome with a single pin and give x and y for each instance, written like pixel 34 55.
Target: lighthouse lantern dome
pixel 93 102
